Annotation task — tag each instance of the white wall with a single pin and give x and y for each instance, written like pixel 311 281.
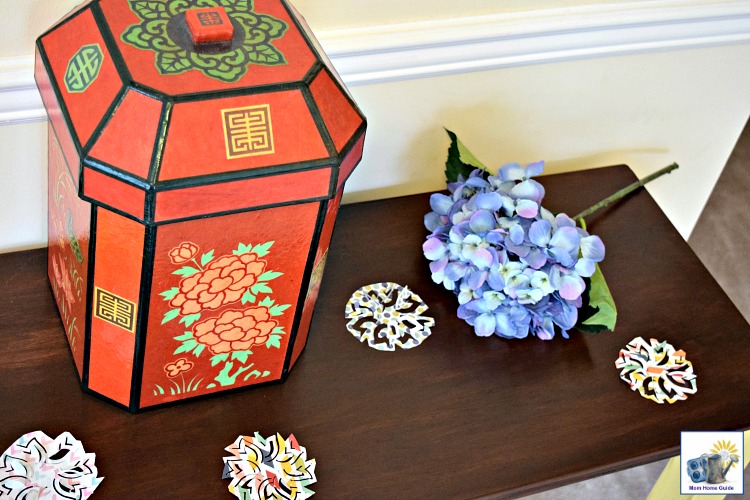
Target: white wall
pixel 589 84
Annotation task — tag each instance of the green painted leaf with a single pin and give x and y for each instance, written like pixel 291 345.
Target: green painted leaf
pixel 190 319
pixel 170 315
pixel 207 257
pixel 210 386
pixel 269 275
pixel 460 160
pixel 158 389
pixel 263 250
pixel 279 330
pixel 248 297
pixel 266 54
pixel 172 63
pixel 186 271
pixel 261 288
pixel 254 373
pixel 199 350
pixel 267 302
pixel 598 312
pixel 243 249
pixel 241 356
pixel 279 310
pixel 170 294
pixel 219 358
pixel 186 346
pixel 186 336
pixel 148 10
pixel 266 373
pixel 273 341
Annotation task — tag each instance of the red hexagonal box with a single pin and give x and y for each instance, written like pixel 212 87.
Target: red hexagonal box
pixel 198 151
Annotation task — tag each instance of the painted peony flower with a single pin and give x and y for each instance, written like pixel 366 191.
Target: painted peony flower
pixel 236 330
pixel 222 282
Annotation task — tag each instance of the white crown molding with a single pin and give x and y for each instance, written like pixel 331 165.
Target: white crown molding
pixel 377 54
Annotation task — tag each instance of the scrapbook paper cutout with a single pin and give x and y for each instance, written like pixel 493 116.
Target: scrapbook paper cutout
pixel 386 315
pixel 269 468
pixel 656 370
pixel 39 467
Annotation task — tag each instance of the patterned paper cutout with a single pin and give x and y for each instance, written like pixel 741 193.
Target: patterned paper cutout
pixel 37 466
pixel 386 315
pixel 656 370
pixel 269 469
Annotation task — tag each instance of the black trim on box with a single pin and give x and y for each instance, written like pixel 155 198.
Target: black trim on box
pixel 106 118
pixel 161 140
pixel 312 106
pixel 305 285
pixel 62 22
pixel 241 175
pixel 104 398
pixel 111 43
pixel 211 95
pixel 240 210
pixel 350 146
pixel 116 173
pixel 58 97
pixel 89 297
pixel 141 332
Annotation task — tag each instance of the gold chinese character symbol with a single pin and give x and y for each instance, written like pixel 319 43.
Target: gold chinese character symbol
pixel 114 309
pixel 248 131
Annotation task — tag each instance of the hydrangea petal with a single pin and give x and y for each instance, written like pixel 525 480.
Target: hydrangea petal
pixel 585 267
pixel 592 248
pixel 516 234
pixel 528 190
pixel 512 172
pixel 484 325
pixel 534 169
pixel 571 287
pixel 482 221
pixel 433 249
pixel 440 203
pixel 540 233
pixel 527 208
pixel 489 201
pixel 482 258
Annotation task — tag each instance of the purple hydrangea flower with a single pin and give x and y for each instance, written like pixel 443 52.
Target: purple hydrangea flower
pixel 516 268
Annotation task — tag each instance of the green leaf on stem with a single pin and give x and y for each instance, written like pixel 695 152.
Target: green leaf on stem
pixel 460 160
pixel 598 313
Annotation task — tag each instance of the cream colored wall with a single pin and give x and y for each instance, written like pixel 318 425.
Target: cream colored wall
pixel 646 110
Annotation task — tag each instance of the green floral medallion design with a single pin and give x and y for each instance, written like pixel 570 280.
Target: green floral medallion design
pixel 162 29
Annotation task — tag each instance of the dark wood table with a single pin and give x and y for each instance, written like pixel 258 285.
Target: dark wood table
pixel 458 417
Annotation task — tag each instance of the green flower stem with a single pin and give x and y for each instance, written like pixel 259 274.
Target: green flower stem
pixel 625 191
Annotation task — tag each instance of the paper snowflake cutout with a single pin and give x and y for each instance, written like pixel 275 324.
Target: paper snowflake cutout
pixel 386 315
pixel 271 468
pixel 656 370
pixel 39 467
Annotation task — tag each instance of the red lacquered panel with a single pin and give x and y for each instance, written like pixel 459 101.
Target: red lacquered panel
pixel 223 301
pixel 68 238
pixel 127 141
pixel 113 192
pixel 236 195
pixel 313 288
pixel 340 117
pixel 240 133
pixel 83 71
pixel 59 128
pixel 117 282
pixel 266 48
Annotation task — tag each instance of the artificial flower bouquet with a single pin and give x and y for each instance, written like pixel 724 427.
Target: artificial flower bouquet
pixel 517 268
